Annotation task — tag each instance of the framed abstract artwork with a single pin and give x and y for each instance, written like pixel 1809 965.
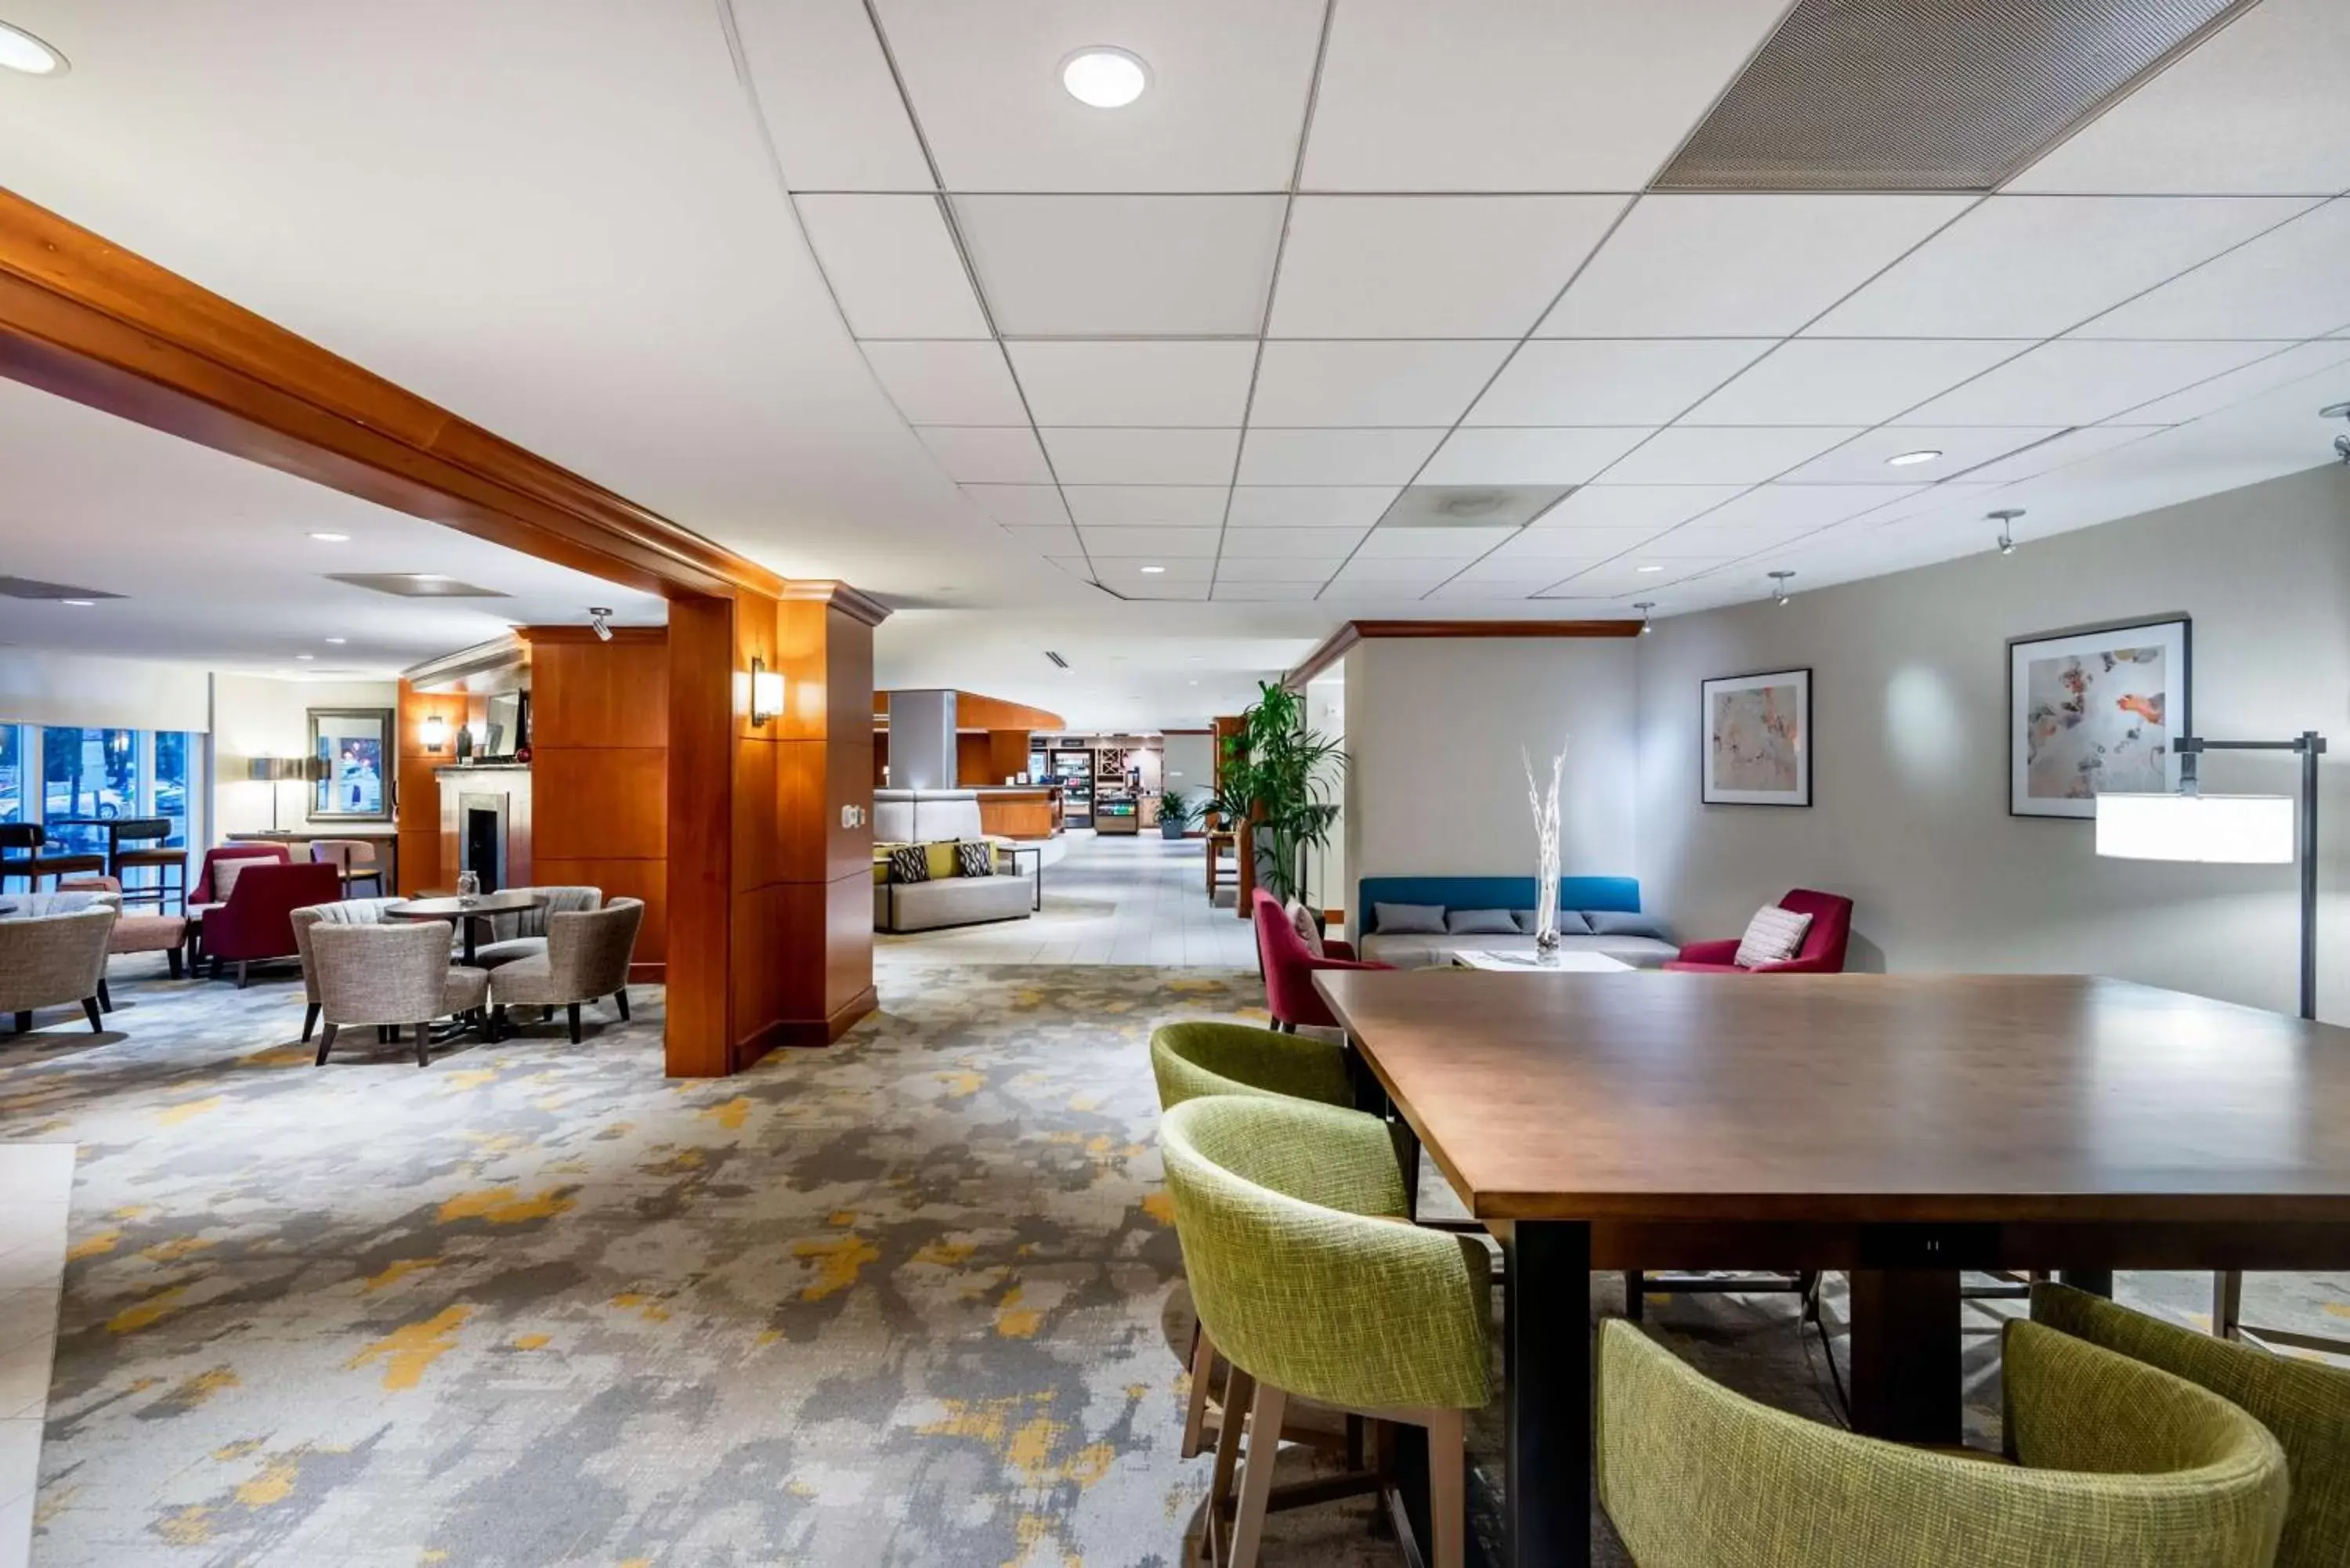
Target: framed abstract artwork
pixel 2092 713
pixel 1758 739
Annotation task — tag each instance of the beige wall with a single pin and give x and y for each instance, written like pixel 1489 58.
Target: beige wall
pixel 256 716
pixel 1909 723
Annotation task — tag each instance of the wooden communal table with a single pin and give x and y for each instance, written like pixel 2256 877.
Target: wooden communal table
pixel 1902 1127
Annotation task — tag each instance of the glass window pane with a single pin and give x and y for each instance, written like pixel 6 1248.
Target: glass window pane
pixel 88 778
pixel 11 773
pixel 173 749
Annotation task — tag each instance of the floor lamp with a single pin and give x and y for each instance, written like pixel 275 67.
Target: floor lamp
pixel 2233 830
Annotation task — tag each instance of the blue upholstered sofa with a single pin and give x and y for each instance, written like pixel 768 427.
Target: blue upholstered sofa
pixel 1615 899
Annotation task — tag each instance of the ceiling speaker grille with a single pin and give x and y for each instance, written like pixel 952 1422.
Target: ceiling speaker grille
pixel 1926 95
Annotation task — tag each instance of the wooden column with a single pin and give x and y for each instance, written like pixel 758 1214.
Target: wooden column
pixel 599 756
pixel 418 815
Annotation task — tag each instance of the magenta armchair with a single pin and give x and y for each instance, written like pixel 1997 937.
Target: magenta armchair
pixel 1822 950
pixel 1289 965
pixel 257 922
pixel 202 893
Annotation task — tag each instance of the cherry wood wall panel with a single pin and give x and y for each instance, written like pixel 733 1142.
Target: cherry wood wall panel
pixel 975 760
pixel 417 817
pixel 1007 754
pixel 701 786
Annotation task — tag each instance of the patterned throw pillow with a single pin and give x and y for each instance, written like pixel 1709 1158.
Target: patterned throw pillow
pixel 1309 930
pixel 908 863
pixel 1773 936
pixel 975 859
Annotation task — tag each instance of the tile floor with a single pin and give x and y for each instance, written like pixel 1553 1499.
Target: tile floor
pixel 1115 901
pixel 36 1192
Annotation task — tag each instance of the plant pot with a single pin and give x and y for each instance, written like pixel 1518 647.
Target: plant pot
pixel 1171 827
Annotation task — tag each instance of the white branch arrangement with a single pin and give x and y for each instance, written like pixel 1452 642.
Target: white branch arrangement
pixel 1545 810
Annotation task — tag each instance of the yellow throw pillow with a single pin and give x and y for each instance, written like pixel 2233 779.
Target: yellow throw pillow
pixel 942 858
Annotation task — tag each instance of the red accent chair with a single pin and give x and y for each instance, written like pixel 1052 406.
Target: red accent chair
pixel 1821 952
pixel 1289 965
pixel 257 922
pixel 201 893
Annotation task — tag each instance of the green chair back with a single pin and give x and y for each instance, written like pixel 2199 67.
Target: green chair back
pixel 1202 1057
pixel 2120 1466
pixel 2305 1403
pixel 1302 1266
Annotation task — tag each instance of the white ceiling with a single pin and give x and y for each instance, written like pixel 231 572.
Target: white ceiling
pixel 1335 249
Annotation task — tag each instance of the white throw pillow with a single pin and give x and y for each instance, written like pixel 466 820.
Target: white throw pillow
pixel 227 870
pixel 1307 930
pixel 1773 936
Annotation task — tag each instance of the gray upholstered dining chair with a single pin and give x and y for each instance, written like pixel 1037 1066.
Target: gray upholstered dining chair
pixel 343 912
pixel 394 975
pixel 353 858
pixel 54 959
pixel 587 954
pixel 523 935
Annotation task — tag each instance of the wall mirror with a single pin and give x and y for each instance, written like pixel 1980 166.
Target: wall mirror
pixel 355 743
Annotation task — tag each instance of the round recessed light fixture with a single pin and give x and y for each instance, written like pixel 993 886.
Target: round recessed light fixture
pixel 79 603
pixel 325 538
pixel 1912 459
pixel 20 51
pixel 1651 566
pixel 1152 571
pixel 338 641
pixel 306 656
pixel 1101 77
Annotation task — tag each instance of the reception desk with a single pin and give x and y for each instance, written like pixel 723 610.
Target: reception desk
pixel 1021 811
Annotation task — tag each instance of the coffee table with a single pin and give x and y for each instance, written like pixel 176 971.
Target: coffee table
pixel 463 912
pixel 1560 962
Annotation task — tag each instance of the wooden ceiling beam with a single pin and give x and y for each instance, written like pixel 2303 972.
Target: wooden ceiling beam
pixel 88 320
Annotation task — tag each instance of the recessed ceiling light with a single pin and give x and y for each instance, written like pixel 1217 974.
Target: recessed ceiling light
pixel 306 656
pixel 1103 77
pixel 1651 566
pixel 1910 458
pixel 79 604
pixel 338 641
pixel 20 51
pixel 1154 571
pixel 332 538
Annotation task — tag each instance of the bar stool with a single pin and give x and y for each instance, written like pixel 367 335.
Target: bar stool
pixel 139 842
pixel 32 864
pixel 352 858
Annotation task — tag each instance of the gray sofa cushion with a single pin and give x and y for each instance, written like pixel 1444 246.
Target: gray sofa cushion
pixel 1409 919
pixel 1418 950
pixel 1619 923
pixel 951 901
pixel 1570 922
pixel 1480 922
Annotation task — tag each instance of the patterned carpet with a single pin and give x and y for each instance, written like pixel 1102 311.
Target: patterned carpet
pixel 909 1301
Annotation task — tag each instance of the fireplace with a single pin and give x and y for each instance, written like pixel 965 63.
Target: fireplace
pixel 481 838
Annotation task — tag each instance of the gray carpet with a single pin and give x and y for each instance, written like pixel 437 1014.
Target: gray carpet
pixel 911 1299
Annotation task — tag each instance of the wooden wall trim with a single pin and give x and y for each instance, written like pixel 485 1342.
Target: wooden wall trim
pixel 852 602
pixel 91 321
pixel 620 634
pixel 974 711
pixel 1334 647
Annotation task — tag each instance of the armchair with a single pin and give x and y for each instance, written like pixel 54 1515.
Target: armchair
pixel 1289 966
pixel 51 959
pixel 1822 950
pixel 256 923
pixel 586 956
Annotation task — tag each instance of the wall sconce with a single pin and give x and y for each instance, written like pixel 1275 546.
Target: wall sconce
pixel 766 692
pixel 436 733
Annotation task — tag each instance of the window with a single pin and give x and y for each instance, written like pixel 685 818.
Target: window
pixel 79 782
pixel 88 778
pixel 11 774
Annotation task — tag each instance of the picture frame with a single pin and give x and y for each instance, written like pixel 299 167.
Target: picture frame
pixel 1755 739
pixel 2093 710
pixel 356 748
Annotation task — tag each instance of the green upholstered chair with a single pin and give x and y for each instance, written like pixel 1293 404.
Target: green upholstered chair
pixel 2305 1403
pixel 1313 1283
pixel 1202 1057
pixel 2115 1465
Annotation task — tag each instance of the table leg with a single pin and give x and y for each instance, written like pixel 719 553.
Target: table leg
pixel 1906 1381
pixel 1546 1362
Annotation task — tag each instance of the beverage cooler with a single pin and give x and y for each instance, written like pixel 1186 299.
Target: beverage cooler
pixel 1076 770
pixel 1117 814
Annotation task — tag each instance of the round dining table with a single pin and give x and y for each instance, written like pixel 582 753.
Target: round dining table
pixel 463 912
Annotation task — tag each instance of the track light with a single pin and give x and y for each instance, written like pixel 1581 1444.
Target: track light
pixel 1643 606
pixel 598 620
pixel 1779 585
pixel 2341 443
pixel 2004 517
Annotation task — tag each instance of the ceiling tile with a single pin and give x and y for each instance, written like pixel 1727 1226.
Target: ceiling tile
pixel 1460 506
pixel 1297 593
pixel 829 100
pixel 1431 266
pixel 1275 569
pixel 1330 544
pixel 1849 380
pixel 1575 95
pixel 1160 544
pixel 1229 80
pixel 2033 266
pixel 1790 509
pixel 1719 542
pixel 1021 505
pixel 2296 364
pixel 1140 456
pixel 987 456
pixel 1397 570
pixel 1625 577
pixel 2285 284
pixel 2078 381
pixel 1474 584
pixel 1562 544
pixel 957 383
pixel 1455 544
pixel 1724 454
pixel 1126 573
pixel 1863 459
pixel 893 266
pixel 1187 591
pixel 1648 508
pixel 1147 506
pixel 1309 506
pixel 1123 267
pixel 1739 265
pixel 2259 106
pixel 1060 541
pixel 1387 457
pixel 1529 455
pixel 1338 382
pixel 1623 382
pixel 1125 383
pixel 2071 447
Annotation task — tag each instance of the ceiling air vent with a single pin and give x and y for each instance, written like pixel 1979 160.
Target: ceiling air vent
pixel 27 589
pixel 1058 663
pixel 1928 95
pixel 1472 505
pixel 415 584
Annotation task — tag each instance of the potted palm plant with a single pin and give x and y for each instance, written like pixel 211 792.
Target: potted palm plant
pixel 1277 776
pixel 1175 810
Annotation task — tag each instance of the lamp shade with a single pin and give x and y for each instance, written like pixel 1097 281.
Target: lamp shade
pixel 278 770
pixel 2215 829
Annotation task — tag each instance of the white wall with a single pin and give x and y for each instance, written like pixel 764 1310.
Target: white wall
pixel 1190 765
pixel 1909 764
pixel 1326 869
pixel 256 716
pixel 101 694
pixel 1434 729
